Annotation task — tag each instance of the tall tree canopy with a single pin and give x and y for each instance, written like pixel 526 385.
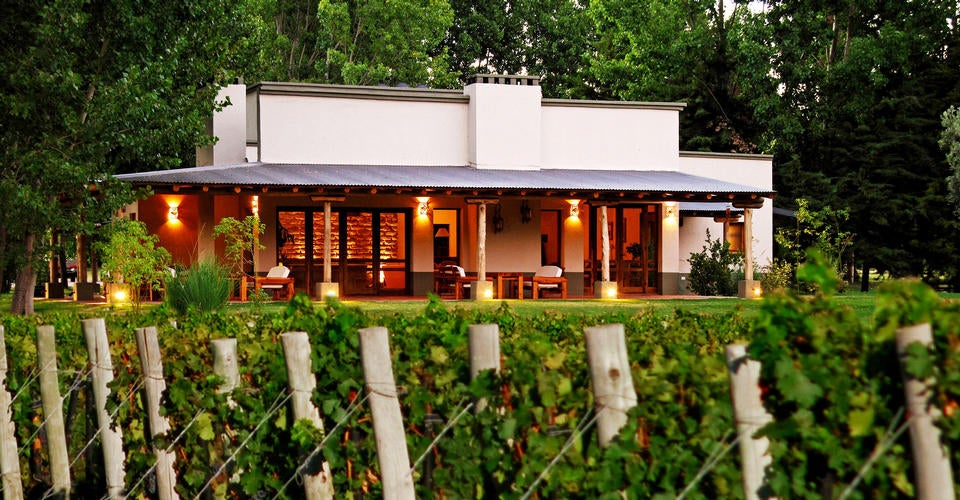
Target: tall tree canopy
pixel 861 86
pixel 88 88
pixel 950 142
pixel 665 50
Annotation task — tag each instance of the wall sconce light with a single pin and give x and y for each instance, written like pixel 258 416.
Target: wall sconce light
pixel 574 208
pixel 526 213
pixel 757 291
pixel 255 205
pixel 670 211
pixel 173 214
pixel 423 207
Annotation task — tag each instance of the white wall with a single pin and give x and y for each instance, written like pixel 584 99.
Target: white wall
pixel 751 170
pixel 636 137
pixel 229 127
pixel 515 249
pixel 331 130
pixel 504 126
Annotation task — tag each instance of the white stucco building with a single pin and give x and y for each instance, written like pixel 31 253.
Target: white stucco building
pixel 406 172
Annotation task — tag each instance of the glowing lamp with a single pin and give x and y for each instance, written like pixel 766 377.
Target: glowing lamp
pixel 173 214
pixel 488 293
pixel 423 207
pixel 757 291
pixel 120 295
pixel 670 211
pixel 574 208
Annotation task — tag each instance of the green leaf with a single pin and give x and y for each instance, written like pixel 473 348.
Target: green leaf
pixel 860 422
pixel 508 429
pixel 795 385
pixel 918 361
pixel 205 427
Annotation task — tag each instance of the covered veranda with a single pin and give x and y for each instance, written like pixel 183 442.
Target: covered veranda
pixel 381 230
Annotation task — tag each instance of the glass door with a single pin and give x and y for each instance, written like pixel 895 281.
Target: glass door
pixel 638 246
pixel 634 247
pixel 375 246
pixel 368 248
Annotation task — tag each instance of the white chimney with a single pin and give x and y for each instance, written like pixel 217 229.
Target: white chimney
pixel 229 126
pixel 504 121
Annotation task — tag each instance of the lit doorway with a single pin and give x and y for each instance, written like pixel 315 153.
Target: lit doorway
pixel 634 232
pixel 368 250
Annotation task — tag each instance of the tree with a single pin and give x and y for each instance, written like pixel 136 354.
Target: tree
pixel 133 257
pixel 241 239
pixel 861 86
pixel 90 88
pixel 950 142
pixel 664 50
pixel 547 38
pixel 368 42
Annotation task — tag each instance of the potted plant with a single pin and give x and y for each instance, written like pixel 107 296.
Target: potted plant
pixel 635 249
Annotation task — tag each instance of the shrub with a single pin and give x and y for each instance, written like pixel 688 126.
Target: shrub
pixel 711 270
pixel 241 241
pixel 204 287
pixel 776 275
pixel 133 256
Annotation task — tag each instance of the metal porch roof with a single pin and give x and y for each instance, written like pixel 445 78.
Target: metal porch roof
pixel 277 176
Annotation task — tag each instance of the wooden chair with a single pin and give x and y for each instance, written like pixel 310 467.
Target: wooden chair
pixel 277 279
pixel 445 279
pixel 547 278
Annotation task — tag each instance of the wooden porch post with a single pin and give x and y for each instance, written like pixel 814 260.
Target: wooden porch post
pixel 481 289
pixel 327 288
pixel 748 244
pixel 327 265
pixel 481 242
pixel 604 244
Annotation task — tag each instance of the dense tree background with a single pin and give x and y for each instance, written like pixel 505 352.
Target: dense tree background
pixel 847 95
pixel 89 88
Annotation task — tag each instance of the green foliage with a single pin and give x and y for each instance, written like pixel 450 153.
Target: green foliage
pixel 776 275
pixel 132 256
pixel 832 384
pixel 241 241
pixel 860 88
pixel 950 142
pixel 372 42
pixel 203 287
pixel 906 303
pixel 823 230
pixel 712 269
pixel 95 88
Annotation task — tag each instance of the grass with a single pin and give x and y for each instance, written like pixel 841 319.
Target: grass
pixel 863 303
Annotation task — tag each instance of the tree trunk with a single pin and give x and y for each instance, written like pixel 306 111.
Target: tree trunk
pixel 865 278
pixel 26 279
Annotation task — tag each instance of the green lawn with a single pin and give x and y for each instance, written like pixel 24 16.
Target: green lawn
pixel 862 303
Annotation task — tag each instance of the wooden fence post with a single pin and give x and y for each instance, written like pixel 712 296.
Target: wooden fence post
pixel 612 381
pixel 385 411
pixel 9 461
pixel 749 415
pixel 98 349
pixel 484 352
pixel 225 364
pixel 317 478
pixel 53 410
pixel 154 385
pixel 931 461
